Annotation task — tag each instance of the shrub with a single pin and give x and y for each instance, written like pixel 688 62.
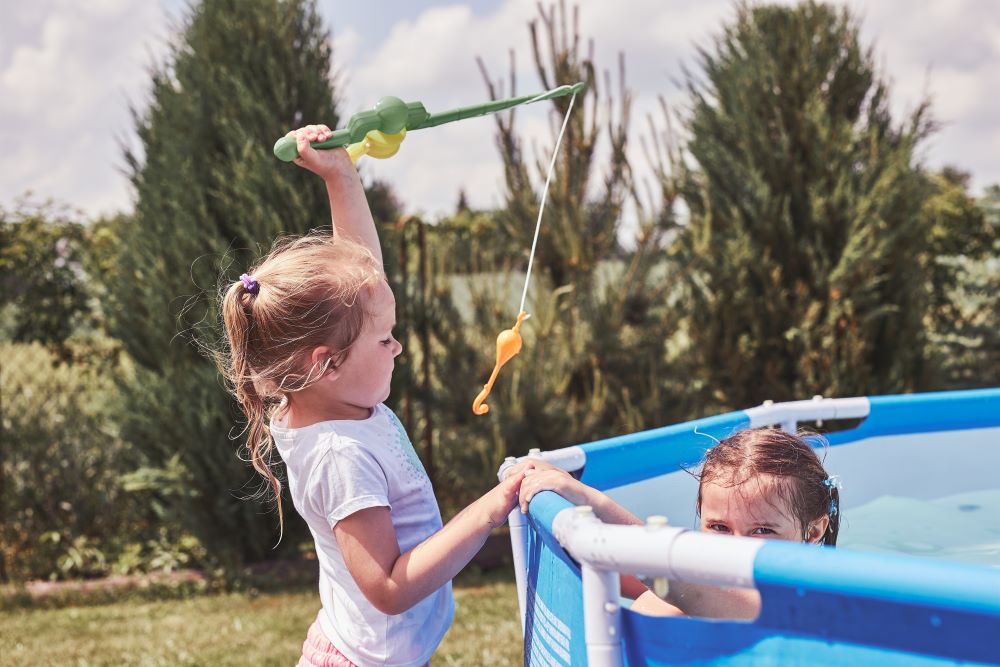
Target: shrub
pixel 66 511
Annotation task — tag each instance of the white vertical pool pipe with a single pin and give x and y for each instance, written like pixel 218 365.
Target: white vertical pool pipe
pixel 569 459
pixel 518 525
pixel 602 623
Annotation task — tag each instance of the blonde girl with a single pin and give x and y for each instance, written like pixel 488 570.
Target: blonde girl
pixel 311 355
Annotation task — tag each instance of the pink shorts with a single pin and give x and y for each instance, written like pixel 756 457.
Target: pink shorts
pixel 318 651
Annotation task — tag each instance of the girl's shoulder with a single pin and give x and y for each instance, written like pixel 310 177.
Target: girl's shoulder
pixel 370 433
pixel 336 434
pixel 377 442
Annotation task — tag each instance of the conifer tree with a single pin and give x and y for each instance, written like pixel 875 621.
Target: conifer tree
pixel 210 198
pixel 965 315
pixel 804 261
pixel 592 366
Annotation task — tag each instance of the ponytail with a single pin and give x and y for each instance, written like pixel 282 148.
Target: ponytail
pixel 237 313
pixel 309 291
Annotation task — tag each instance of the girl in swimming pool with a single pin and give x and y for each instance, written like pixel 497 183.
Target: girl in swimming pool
pixel 761 483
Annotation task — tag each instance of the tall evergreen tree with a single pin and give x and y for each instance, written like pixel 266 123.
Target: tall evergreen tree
pixel 592 366
pixel 804 265
pixel 210 198
pixel 965 315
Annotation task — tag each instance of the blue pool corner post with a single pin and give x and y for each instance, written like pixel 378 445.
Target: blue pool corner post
pixel 518 526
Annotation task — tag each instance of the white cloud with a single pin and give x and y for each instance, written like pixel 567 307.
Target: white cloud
pixel 346 45
pixel 68 71
pixel 949 51
pixel 66 88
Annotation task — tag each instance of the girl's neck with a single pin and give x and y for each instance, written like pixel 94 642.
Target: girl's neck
pixel 307 409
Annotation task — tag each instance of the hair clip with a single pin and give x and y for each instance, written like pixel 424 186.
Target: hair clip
pixel 249 284
pixel 833 482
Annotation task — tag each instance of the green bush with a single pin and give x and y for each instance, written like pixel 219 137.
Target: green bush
pixel 66 511
pixel 62 458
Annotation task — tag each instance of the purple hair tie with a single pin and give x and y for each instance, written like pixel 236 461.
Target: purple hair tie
pixel 249 284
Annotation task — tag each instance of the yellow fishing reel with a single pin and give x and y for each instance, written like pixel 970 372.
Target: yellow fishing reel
pixel 377 144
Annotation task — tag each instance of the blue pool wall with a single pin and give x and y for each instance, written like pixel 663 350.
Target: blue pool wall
pixel 819 605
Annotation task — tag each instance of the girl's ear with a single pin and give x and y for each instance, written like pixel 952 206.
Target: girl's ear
pixel 321 358
pixel 817 530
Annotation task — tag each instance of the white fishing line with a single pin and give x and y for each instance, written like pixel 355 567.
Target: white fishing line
pixel 541 209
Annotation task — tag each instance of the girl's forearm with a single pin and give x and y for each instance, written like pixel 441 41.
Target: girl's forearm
pixel 349 207
pixel 649 604
pixel 714 601
pixel 435 561
pixel 609 511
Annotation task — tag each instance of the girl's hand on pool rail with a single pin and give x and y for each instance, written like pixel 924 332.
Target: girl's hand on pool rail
pixel 545 477
pixel 502 498
pixel 550 478
pixel 529 464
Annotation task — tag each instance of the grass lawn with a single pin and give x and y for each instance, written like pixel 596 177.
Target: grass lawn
pixel 238 629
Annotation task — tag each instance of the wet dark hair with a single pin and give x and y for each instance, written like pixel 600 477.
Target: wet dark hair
pixel 800 481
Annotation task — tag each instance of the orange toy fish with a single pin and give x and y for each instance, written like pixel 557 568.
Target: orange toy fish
pixel 508 345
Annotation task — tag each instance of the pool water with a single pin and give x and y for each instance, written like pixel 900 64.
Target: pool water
pixel 964 527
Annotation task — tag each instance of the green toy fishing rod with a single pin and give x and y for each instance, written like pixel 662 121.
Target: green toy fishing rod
pixel 380 131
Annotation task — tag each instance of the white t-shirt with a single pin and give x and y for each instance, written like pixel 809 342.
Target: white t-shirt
pixel 336 468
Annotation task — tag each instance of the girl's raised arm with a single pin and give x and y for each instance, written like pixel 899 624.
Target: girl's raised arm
pixel 348 204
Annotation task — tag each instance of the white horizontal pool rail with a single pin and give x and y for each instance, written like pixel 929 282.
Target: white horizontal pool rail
pixel 789 414
pixel 604 551
pixel 657 550
pixel 570 459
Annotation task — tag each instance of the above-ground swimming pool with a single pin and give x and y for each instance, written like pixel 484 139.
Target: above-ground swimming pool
pixel 915 579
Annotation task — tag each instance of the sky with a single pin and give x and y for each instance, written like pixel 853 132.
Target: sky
pixel 70 71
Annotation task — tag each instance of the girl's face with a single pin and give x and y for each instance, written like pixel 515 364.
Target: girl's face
pixel 362 380
pixel 753 509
